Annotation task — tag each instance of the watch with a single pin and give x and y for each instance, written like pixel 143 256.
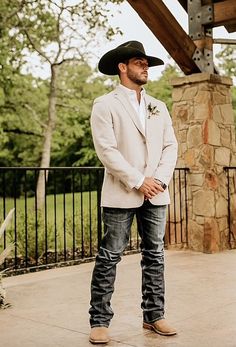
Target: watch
pixel 162 184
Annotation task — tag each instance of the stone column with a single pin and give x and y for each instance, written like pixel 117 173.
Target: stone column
pixel 204 125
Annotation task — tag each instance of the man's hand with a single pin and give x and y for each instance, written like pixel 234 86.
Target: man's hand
pixel 150 188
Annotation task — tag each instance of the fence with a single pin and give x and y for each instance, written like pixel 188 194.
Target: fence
pixel 67 228
pixel 231 197
pixel 177 215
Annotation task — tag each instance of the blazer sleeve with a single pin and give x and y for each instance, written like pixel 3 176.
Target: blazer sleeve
pixel 106 146
pixel 168 159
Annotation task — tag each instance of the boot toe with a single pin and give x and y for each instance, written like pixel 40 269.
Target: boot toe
pixel 99 335
pixel 160 327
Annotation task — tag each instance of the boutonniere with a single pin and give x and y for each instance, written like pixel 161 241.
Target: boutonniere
pixel 152 110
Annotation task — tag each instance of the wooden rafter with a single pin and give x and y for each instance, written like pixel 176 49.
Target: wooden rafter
pixel 168 31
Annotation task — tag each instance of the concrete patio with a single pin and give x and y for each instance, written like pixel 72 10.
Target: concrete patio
pixel 50 308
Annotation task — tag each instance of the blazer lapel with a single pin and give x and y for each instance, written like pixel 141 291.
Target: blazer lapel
pixel 122 97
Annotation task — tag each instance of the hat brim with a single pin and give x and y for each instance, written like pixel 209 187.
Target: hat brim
pixel 108 64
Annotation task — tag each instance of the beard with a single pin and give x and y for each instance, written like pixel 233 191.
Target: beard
pixel 138 79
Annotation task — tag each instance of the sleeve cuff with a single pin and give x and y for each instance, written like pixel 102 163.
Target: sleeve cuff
pixel 140 182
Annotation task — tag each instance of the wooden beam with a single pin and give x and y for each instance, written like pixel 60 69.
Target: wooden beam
pixel 225 13
pixel 168 31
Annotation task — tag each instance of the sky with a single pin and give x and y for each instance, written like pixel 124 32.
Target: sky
pixel 134 28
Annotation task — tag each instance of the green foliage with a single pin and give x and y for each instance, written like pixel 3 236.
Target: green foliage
pixel 24 114
pixel 72 140
pixel 227 66
pixel 10 48
pixel 11 58
pixel 31 237
pixel 162 89
pixel 21 117
pixel 234 102
pixel 227 60
pixel 57 32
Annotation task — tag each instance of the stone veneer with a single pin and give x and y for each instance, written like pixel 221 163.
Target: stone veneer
pixel 204 125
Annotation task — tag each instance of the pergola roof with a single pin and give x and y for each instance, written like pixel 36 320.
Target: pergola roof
pixel 193 51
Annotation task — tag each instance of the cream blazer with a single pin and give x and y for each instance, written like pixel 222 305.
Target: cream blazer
pixel 127 152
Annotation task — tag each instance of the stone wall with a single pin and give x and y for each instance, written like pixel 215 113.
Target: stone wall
pixel 203 120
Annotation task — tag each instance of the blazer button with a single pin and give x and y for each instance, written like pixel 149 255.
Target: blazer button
pixel 145 165
pixel 144 141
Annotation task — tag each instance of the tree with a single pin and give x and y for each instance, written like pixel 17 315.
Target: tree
pixel 23 117
pixel 162 89
pixel 10 57
pixel 227 60
pixel 10 48
pixel 59 32
pixel 72 140
pixel 227 66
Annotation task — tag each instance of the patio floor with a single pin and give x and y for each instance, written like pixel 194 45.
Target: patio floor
pixel 50 308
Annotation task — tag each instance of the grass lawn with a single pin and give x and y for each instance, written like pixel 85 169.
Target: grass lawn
pixel 66 221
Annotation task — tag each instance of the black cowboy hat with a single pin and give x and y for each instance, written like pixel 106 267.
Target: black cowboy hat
pixel 108 63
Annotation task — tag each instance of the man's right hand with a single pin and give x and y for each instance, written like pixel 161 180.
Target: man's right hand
pixel 150 187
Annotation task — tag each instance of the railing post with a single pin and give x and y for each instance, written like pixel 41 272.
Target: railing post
pixel 99 212
pixel 231 198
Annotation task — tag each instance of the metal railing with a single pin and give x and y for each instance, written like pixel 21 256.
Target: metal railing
pixel 177 218
pixel 67 227
pixel 231 198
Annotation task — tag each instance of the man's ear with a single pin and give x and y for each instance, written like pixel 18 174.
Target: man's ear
pixel 122 67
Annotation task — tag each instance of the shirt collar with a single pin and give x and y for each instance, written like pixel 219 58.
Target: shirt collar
pixel 131 91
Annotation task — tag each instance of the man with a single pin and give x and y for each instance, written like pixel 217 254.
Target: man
pixel 135 141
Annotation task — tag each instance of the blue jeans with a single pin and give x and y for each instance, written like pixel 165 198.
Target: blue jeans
pixel 151 222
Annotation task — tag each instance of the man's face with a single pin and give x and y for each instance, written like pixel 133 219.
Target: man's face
pixel 137 70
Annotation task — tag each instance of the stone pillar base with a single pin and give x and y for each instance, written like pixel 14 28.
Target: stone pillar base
pixel 204 125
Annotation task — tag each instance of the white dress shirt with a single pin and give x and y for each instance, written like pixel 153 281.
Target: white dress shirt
pixel 140 108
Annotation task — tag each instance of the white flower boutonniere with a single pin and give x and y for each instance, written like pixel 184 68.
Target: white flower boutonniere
pixel 152 110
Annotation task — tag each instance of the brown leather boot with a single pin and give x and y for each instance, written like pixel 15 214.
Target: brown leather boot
pixel 160 327
pixel 99 335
